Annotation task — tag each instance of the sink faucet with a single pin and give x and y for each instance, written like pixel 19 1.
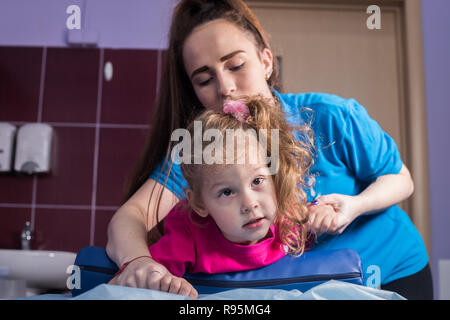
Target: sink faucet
pixel 26 236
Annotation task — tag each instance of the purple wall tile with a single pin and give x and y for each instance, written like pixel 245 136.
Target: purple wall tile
pixel 20 74
pixel 129 97
pixel 70 179
pixel 119 151
pixel 62 229
pixel 71 81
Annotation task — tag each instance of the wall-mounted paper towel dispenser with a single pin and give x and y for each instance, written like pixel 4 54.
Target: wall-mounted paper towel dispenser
pixel 33 148
pixel 7 138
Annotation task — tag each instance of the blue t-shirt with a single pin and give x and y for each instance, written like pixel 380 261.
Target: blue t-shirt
pixel 351 152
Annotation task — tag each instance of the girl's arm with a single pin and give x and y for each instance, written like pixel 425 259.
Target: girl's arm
pixel 127 239
pixel 334 212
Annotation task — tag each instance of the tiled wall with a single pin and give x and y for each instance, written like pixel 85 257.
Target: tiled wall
pixel 99 130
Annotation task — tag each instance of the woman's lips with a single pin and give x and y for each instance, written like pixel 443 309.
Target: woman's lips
pixel 254 223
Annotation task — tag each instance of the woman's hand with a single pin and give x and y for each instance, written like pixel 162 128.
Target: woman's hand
pixel 332 213
pixel 147 273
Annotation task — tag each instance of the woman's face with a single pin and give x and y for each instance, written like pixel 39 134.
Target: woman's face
pixel 222 62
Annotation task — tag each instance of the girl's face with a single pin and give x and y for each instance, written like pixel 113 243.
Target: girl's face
pixel 240 198
pixel 222 62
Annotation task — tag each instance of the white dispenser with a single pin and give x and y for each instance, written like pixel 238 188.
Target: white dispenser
pixel 33 149
pixel 7 135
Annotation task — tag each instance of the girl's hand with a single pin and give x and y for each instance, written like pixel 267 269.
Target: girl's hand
pixel 147 273
pixel 332 213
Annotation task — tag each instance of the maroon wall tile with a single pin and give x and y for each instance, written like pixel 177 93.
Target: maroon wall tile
pixel 118 153
pixel 70 95
pixel 20 73
pixel 15 188
pixel 70 179
pixel 71 85
pixel 12 223
pixel 61 229
pixel 102 219
pixel 129 96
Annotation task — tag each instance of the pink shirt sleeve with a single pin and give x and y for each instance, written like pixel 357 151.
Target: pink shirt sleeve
pixel 175 250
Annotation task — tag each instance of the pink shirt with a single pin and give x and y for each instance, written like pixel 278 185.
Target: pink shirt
pixel 194 244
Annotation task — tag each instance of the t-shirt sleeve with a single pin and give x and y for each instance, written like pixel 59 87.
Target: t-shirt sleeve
pixel 366 148
pixel 175 250
pixel 175 180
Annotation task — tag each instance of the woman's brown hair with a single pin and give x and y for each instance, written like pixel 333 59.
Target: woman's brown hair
pixel 177 103
pixel 294 160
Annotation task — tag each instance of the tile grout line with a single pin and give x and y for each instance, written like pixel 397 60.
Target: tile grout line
pixel 96 147
pixel 42 84
pixel 89 125
pixel 39 119
pixel 58 206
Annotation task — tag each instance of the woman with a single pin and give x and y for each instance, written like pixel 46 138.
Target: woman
pixel 217 49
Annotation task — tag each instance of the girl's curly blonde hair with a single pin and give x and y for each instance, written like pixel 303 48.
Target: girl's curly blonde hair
pixel 294 161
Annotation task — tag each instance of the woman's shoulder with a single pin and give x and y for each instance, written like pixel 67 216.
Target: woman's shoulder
pixel 323 107
pixel 317 101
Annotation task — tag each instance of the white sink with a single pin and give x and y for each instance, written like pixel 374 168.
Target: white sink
pixel 41 269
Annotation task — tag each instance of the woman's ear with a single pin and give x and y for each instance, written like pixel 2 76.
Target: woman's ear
pixel 267 61
pixel 195 204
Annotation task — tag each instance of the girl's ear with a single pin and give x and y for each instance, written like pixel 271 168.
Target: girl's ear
pixel 196 205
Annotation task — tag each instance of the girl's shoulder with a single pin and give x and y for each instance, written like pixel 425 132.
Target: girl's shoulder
pixel 182 215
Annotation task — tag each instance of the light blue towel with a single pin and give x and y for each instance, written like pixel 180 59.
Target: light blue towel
pixel 331 290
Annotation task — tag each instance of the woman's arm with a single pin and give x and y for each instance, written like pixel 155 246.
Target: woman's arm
pixel 334 212
pixel 127 239
pixel 127 231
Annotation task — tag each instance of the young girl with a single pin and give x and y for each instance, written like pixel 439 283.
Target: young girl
pixel 238 215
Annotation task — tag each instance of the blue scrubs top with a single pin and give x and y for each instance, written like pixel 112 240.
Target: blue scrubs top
pixel 351 152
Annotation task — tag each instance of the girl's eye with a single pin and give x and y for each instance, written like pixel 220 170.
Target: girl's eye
pixel 226 193
pixel 258 181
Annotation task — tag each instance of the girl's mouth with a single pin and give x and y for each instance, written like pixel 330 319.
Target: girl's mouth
pixel 254 223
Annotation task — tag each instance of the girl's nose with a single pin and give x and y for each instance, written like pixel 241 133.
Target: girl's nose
pixel 248 205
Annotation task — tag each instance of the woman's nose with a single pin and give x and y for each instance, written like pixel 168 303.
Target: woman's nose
pixel 226 86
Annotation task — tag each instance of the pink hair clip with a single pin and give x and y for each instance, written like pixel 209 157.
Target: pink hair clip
pixel 236 108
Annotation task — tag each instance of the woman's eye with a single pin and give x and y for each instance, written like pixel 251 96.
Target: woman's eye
pixel 226 193
pixel 204 82
pixel 236 68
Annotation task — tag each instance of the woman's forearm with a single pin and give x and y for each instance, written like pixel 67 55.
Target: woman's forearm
pixel 127 231
pixel 386 191
pixel 127 237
